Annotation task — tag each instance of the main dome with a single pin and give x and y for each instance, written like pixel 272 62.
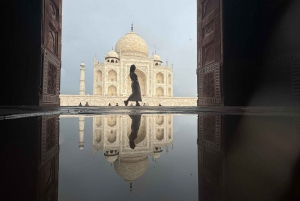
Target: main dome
pixel 131 168
pixel 132 45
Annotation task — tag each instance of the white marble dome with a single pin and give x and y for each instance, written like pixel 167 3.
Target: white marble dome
pixel 131 168
pixel 112 54
pixel 132 45
pixel 155 57
pixel 111 159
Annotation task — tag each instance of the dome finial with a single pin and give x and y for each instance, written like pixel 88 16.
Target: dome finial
pixel 132 27
pixel 130 187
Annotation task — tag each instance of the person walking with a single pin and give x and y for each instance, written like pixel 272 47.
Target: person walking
pixel 135 87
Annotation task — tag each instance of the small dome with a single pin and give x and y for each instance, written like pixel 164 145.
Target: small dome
pixel 82 64
pixel 132 45
pixel 155 57
pixel 131 168
pixel 111 159
pixel 112 54
pixel 156 155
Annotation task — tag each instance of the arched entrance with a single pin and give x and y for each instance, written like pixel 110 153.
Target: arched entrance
pixel 98 90
pixel 99 76
pixel 159 91
pixel 112 90
pixel 112 76
pixel 159 78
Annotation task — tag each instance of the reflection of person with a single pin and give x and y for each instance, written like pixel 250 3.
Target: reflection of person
pixel 135 125
pixel 135 87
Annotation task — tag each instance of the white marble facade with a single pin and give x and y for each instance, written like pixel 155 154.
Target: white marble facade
pixel 111 77
pixel 112 84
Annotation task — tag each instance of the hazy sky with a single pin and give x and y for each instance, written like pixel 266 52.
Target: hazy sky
pixel 93 27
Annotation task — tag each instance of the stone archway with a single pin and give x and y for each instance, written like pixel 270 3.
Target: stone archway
pixel 142 81
pixel 160 134
pixel 99 76
pixel 97 135
pixel 159 78
pixel 112 76
pixel 112 90
pixel 98 90
pixel 111 121
pixel 159 91
pixel 160 120
pixel 169 79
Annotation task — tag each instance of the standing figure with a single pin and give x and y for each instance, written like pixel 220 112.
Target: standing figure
pixel 135 87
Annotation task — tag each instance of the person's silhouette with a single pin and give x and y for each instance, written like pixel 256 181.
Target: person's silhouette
pixel 135 125
pixel 135 87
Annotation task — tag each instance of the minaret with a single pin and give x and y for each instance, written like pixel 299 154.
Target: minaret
pixel 81 132
pixel 82 79
pixel 95 59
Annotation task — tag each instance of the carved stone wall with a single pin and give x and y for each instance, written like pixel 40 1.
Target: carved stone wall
pixel 210 56
pixel 51 51
pixel 48 165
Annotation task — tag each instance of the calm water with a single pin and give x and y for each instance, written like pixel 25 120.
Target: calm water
pixel 151 157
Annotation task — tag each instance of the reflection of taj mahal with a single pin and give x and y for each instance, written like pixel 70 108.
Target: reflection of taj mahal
pixel 112 84
pixel 111 136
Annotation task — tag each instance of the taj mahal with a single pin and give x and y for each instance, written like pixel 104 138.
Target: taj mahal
pixel 112 84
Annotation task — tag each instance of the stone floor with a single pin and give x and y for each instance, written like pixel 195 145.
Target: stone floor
pixel 10 112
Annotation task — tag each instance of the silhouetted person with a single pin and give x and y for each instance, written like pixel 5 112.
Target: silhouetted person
pixel 109 104
pixel 80 104
pixel 117 104
pixel 144 104
pixel 86 104
pixel 135 125
pixel 159 105
pixel 135 87
pixel 131 104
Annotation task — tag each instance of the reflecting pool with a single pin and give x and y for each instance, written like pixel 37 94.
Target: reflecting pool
pixel 151 157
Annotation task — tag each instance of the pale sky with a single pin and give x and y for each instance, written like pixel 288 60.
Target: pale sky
pixel 93 27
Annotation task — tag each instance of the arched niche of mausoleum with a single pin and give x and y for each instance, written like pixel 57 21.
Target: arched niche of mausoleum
pixel 98 135
pixel 112 76
pixel 169 92
pixel 159 91
pixel 169 132
pixel 169 119
pixel 99 76
pixel 98 121
pixel 111 121
pixel 142 133
pixel 112 90
pixel 160 134
pixel 111 136
pixel 160 120
pixel 98 90
pixel 169 79
pixel 159 78
pixel 142 81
